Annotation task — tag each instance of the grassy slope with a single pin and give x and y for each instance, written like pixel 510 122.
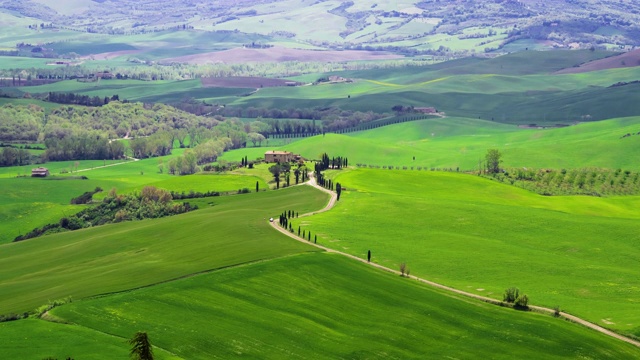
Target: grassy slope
pixel 323 306
pixel 515 88
pixel 505 89
pixel 38 339
pixel 460 142
pixel 35 202
pixel 227 231
pixel 480 236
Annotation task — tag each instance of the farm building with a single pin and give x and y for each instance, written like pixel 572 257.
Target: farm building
pixel 40 172
pixel 280 156
pixel 425 110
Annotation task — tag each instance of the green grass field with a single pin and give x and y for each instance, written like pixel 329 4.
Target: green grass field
pixel 462 142
pixel 324 306
pixel 137 90
pixel 35 202
pixel 220 283
pixel 39 339
pixel 480 236
pixel 209 182
pixel 226 231
pixel 518 88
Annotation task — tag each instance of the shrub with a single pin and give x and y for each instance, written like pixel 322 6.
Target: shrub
pixel 556 311
pixel 510 295
pixel 522 302
pixel 403 268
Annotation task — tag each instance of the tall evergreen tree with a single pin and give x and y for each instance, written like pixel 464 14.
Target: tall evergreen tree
pixel 141 347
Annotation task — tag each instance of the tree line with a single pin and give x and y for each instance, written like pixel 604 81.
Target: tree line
pixel 151 202
pixel 179 71
pixel 79 99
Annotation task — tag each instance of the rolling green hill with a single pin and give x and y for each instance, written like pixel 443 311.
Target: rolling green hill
pixel 481 236
pixel 38 339
pixel 452 143
pixel 324 306
pixel 407 25
pixel 225 231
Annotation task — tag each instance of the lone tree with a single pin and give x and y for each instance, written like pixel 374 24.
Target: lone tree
pixel 276 170
pixel 338 191
pixel 141 347
pixel 493 161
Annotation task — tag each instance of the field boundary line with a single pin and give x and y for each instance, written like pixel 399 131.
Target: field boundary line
pixel 331 203
pixel 107 334
pixel 105 166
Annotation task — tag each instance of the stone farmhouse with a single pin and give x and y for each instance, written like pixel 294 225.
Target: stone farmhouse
pixel 274 156
pixel 40 172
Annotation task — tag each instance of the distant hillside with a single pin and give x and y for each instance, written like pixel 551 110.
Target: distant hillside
pixel 405 26
pixel 629 59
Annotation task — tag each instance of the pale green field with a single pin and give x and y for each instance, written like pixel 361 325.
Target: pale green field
pixel 204 182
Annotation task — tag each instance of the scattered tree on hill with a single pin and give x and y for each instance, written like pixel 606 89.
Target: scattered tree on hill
pixel 141 347
pixel 338 190
pixel 256 138
pixel 493 159
pixel 403 269
pixel 296 173
pixel 275 170
pixel 257 186
pixel 512 295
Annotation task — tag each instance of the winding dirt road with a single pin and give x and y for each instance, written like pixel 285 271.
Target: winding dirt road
pixel 331 204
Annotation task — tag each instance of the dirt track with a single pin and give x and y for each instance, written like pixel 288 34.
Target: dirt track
pixel 331 204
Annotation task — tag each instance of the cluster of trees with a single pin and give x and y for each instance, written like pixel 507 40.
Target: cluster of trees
pixel 117 120
pixel 158 144
pixel 285 121
pixel 151 202
pixel 80 133
pixel 581 181
pixel 512 296
pixel 20 123
pixel 82 145
pixel 148 71
pixel 331 163
pixel 185 164
pixel 284 170
pixel 78 99
pixel 10 156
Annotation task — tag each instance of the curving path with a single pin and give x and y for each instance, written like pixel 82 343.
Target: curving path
pixel 331 204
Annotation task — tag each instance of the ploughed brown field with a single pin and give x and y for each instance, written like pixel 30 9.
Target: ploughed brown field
pixel 279 54
pixel 628 59
pixel 245 82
